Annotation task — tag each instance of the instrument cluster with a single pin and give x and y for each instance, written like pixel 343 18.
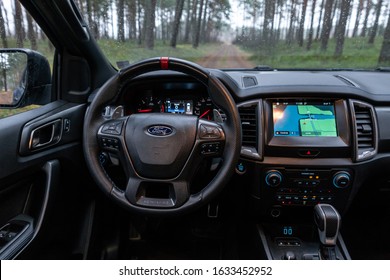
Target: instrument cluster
pixel 187 98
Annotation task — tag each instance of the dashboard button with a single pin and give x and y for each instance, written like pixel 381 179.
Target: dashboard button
pixel 240 168
pixel 273 178
pixel 308 153
pixel 341 179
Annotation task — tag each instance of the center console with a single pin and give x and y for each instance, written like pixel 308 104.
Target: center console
pixel 305 187
pixel 305 155
pixel 319 240
pixel 307 143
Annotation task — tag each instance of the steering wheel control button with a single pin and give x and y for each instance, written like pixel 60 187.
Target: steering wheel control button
pixel 308 153
pixel 209 132
pixel 273 178
pixel 113 128
pixel 341 179
pixel 110 143
pixel 210 149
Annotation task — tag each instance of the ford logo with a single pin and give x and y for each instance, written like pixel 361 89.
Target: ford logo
pixel 160 130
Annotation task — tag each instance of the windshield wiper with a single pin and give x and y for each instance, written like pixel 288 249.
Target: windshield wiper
pixel 263 68
pixel 383 69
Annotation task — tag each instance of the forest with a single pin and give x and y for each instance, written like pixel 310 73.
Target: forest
pixel 344 32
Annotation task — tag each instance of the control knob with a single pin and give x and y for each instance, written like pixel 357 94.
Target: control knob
pixel 273 178
pixel 341 179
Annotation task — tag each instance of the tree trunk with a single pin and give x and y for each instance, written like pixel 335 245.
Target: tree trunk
pixel 7 22
pixel 132 19
pixel 278 33
pixel 195 44
pixel 106 22
pixel 268 22
pixel 320 20
pixel 327 25
pixel 336 4
pixel 188 22
pixel 357 20
pixel 302 23
pixel 290 33
pixel 375 26
pixel 89 14
pixel 194 15
pixel 254 14
pixel 368 9
pixel 150 17
pixel 96 20
pixel 91 24
pixel 163 15
pixel 121 20
pixel 204 22
pixel 19 32
pixel 311 31
pixel 384 57
pixel 340 35
pixel 140 30
pixel 32 36
pixel 176 22
pixel 3 33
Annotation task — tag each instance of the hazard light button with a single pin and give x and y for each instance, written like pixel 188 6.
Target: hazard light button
pixel 308 153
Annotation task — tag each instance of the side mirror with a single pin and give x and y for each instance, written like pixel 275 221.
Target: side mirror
pixel 25 78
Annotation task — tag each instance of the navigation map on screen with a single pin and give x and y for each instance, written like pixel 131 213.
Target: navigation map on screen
pixel 316 119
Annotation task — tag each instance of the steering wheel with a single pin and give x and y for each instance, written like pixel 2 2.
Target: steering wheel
pixel 161 152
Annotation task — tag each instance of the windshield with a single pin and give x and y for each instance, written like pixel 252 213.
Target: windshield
pixel 353 34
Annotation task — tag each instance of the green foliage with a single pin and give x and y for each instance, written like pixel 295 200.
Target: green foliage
pixel 132 52
pixel 5 112
pixel 357 54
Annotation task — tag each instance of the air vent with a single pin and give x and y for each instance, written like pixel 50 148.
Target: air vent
pixel 249 81
pixel 365 129
pixel 248 117
pixel 365 138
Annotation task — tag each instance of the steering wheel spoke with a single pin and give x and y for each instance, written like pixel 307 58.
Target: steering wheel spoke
pixel 157 194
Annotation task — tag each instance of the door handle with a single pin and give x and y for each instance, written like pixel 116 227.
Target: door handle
pixel 45 135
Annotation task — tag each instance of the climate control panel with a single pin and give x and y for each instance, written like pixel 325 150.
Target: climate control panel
pixel 306 187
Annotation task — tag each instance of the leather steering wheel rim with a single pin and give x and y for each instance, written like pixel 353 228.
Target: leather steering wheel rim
pixel 220 96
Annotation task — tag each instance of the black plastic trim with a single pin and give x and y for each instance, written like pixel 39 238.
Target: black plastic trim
pixel 13 247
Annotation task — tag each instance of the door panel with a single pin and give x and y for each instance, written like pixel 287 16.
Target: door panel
pixel 30 176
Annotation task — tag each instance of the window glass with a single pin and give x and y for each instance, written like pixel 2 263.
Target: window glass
pixel 244 33
pixel 19 30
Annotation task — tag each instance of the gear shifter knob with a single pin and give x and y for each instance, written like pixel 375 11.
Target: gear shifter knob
pixel 327 220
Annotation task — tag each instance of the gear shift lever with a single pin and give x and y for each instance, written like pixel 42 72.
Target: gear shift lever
pixel 327 220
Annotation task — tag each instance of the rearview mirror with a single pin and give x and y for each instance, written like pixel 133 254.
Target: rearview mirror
pixel 25 78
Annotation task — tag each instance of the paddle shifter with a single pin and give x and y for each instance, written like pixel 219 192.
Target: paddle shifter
pixel 327 220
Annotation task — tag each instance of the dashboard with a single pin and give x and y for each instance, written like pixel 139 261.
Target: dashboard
pixel 307 136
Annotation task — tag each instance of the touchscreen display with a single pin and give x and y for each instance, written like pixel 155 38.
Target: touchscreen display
pixel 312 119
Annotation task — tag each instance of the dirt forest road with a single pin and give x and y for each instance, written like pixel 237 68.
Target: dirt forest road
pixel 226 56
